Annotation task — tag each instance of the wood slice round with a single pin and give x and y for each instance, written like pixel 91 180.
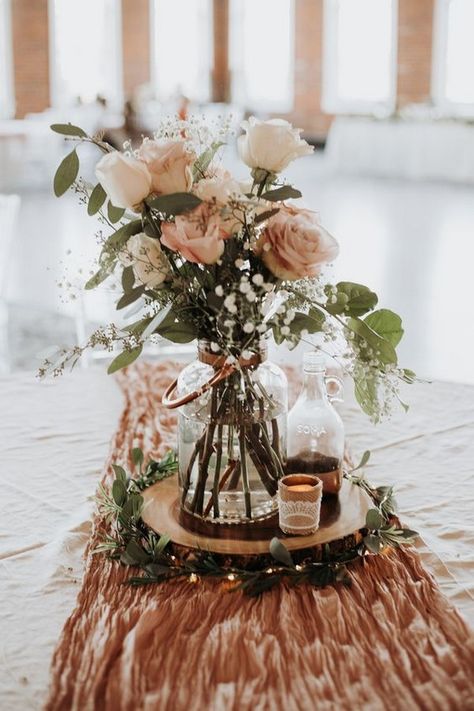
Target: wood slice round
pixel 342 517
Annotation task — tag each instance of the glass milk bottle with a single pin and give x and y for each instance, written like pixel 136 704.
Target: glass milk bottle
pixel 315 430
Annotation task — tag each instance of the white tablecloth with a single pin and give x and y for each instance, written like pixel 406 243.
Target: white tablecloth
pixel 53 443
pixel 402 148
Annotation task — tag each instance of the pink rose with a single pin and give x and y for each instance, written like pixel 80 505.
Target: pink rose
pixel 294 245
pixel 198 237
pixel 170 165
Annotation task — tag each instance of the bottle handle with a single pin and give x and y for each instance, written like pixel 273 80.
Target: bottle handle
pixel 335 390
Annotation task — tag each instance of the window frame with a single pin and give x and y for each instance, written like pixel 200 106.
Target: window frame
pixel 265 106
pixel 8 94
pixel 154 75
pixel 117 97
pixel 451 108
pixel 330 102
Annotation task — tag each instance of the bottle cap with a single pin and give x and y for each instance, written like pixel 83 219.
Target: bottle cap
pixel 313 362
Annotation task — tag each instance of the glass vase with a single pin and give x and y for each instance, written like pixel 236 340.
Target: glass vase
pixel 232 437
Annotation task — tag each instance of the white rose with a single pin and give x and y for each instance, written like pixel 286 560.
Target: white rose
pixel 271 145
pixel 145 255
pixel 126 180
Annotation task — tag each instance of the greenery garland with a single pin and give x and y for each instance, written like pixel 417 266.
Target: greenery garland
pixel 132 543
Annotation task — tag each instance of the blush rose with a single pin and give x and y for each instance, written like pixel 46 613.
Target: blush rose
pixel 169 163
pixel 295 245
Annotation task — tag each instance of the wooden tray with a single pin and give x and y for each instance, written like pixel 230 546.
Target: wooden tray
pixel 342 516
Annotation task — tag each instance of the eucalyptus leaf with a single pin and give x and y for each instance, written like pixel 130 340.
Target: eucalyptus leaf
pixel 120 473
pixel 374 519
pixel 285 192
pixel 178 332
pixel 373 543
pixel 175 203
pixel 202 162
pixel 387 324
pixel 158 320
pixel 137 327
pixel 266 215
pixel 136 553
pixel 66 173
pixel 119 492
pixel 130 297
pixel 67 129
pixel 123 359
pixel 365 458
pixel 137 456
pixel 99 277
pixel 119 238
pixel 114 213
pixel 97 198
pixel 128 279
pixel 280 552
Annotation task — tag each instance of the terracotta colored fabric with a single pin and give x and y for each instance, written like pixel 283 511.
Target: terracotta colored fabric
pixel 389 641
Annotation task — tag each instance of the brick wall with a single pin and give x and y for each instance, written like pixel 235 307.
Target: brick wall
pixel 308 41
pixel 31 61
pixel 30 55
pixel 136 44
pixel 415 35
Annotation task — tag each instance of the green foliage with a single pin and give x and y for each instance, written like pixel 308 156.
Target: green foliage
pixel 66 173
pixel 351 299
pixel 365 391
pixel 108 256
pixel 124 358
pixel 128 279
pixel 387 324
pixel 114 213
pixel 130 296
pixel 280 552
pixel 364 459
pixel 97 198
pixel 67 129
pixel 266 215
pixel 383 349
pixel 285 192
pixel 202 163
pixel 175 203
pixel 134 544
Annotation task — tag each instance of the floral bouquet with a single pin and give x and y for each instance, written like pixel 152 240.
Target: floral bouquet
pixel 205 256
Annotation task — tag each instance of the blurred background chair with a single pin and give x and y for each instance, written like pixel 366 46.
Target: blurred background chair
pixel 9 211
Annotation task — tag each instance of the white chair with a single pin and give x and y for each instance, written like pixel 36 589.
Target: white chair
pixel 9 210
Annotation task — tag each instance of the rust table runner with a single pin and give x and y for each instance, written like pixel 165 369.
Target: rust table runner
pixel 390 641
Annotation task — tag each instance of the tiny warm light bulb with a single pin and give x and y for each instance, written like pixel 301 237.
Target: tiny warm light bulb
pixel 193 578
pixel 231 576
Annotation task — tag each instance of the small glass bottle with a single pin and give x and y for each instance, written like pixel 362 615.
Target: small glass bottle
pixel 315 430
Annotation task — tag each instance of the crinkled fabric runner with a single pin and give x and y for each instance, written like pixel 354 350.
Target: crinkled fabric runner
pixel 390 641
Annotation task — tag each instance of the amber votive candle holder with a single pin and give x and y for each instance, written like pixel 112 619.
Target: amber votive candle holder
pixel 299 503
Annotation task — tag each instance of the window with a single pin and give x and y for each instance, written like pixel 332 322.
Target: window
pixel 453 56
pixel 181 34
pixel 359 74
pixel 261 54
pixel 7 101
pixel 85 51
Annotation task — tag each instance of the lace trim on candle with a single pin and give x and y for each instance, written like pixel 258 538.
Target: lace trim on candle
pixel 304 509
